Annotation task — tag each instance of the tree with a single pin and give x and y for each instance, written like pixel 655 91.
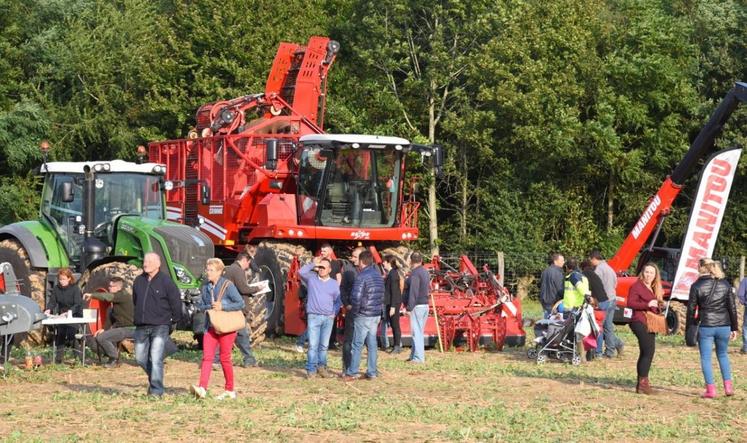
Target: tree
pixel 417 54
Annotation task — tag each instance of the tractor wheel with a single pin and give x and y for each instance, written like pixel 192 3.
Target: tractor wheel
pixel 32 282
pixel 677 313
pixel 273 260
pixel 402 254
pixel 96 279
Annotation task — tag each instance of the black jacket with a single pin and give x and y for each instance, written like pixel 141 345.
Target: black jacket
pixel 596 286
pixel 157 301
pixel 349 273
pixel 551 286
pixel 66 299
pixel 367 296
pixel 237 276
pixel 417 288
pixel 392 291
pixel 719 310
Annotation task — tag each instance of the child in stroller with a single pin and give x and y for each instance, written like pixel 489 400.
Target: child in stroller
pixel 556 337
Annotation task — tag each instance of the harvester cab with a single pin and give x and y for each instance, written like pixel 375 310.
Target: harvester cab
pixel 352 181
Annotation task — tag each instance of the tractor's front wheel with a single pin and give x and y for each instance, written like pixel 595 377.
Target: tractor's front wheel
pixel 32 281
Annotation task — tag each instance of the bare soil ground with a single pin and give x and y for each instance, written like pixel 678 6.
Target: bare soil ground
pixel 455 396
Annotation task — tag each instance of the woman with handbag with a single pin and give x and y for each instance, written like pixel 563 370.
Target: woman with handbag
pixel 716 321
pixel 645 298
pixel 223 304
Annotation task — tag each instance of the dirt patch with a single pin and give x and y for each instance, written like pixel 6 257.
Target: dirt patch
pixel 454 396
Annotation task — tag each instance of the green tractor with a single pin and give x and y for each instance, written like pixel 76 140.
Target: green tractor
pixel 100 218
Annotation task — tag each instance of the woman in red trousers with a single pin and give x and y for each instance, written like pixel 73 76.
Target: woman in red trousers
pixel 229 301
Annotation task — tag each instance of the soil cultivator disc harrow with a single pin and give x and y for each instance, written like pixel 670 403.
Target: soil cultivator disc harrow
pixel 470 306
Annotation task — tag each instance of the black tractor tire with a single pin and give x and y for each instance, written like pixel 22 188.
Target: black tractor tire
pixel 273 260
pixel 32 282
pixel 96 279
pixel 676 318
pixel 402 254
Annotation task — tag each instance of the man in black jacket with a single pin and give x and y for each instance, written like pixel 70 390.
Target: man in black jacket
pixel 551 283
pixel 157 305
pixel 236 274
pixel 367 303
pixel 346 286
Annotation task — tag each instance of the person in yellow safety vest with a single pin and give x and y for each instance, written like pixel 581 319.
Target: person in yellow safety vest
pixel 576 286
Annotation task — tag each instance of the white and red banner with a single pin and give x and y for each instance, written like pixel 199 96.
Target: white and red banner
pixel 705 218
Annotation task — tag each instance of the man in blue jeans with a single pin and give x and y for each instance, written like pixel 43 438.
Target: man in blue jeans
pixel 417 288
pixel 742 296
pixel 157 306
pixel 609 280
pixel 322 304
pixel 367 301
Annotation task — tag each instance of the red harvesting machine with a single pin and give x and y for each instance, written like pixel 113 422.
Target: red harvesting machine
pixel 259 169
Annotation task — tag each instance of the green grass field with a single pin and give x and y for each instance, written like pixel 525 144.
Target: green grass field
pixel 499 396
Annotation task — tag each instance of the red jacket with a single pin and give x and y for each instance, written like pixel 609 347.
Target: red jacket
pixel 638 298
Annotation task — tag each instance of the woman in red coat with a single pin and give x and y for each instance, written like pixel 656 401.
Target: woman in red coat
pixel 645 294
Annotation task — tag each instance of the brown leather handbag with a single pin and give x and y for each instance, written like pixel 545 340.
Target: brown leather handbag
pixel 225 322
pixel 656 323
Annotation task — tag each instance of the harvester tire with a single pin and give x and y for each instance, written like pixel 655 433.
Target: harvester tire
pixel 273 260
pixel 32 282
pixel 402 254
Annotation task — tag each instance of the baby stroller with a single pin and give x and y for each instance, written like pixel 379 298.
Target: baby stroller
pixel 556 337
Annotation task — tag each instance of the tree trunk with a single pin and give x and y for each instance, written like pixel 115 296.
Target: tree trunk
pixel 463 215
pixel 432 204
pixel 610 202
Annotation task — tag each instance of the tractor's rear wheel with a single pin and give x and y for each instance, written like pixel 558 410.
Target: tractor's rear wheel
pixel 32 282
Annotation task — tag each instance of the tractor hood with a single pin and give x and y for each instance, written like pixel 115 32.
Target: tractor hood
pixel 187 246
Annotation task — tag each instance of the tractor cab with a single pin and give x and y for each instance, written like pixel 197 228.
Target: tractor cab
pixel 349 180
pixel 86 199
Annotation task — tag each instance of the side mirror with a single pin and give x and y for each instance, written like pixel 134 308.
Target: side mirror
pixel 271 154
pixel 204 194
pixel 67 192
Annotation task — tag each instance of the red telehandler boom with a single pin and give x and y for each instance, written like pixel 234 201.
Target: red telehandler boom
pixel 260 170
pixel 649 224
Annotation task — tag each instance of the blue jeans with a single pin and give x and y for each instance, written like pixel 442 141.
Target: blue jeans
pixel 608 329
pixel 418 316
pixel 706 336
pixel 149 346
pixel 364 331
pixel 303 338
pixel 318 328
pixel 744 330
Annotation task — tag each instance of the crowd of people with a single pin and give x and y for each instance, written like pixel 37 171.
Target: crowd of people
pixel 711 311
pixel 357 289
pixel 365 296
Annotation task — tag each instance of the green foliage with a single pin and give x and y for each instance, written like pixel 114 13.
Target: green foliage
pixel 559 119
pixel 19 198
